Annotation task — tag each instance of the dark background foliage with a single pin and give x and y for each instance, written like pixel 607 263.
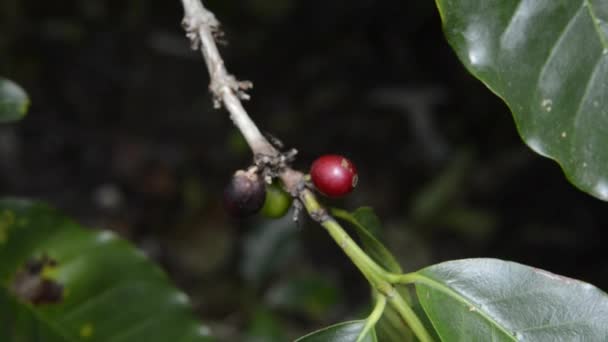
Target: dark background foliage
pixel 122 135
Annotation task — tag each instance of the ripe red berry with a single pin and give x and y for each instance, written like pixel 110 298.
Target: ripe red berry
pixel 334 175
pixel 244 195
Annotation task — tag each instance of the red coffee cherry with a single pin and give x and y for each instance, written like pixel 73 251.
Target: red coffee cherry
pixel 333 175
pixel 245 194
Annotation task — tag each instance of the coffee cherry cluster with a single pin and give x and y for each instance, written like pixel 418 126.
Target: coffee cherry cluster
pixel 247 194
pixel 332 175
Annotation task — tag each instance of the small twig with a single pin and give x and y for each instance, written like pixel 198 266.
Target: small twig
pixel 373 318
pixel 202 28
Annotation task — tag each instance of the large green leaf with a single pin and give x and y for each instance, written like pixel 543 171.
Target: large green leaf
pixel 13 101
pixel 61 282
pixel 341 332
pixel 495 300
pixel 548 59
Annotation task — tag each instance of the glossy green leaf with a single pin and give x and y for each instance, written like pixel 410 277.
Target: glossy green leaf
pixel 13 101
pixel 103 289
pixel 341 332
pixel 369 228
pixel 495 300
pixel 548 59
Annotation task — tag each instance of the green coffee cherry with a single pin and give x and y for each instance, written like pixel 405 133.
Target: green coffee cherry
pixel 277 201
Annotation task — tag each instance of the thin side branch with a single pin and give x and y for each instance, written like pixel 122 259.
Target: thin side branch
pixel 373 318
pixel 202 28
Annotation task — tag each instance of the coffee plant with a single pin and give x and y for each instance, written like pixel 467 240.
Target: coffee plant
pixel 548 60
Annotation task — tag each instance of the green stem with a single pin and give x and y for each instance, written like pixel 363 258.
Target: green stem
pixel 380 279
pixel 408 315
pixel 392 327
pixel 372 272
pixel 408 278
pixel 374 317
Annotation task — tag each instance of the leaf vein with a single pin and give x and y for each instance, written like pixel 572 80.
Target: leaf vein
pixel 511 20
pixel 595 21
pixel 548 326
pixel 556 45
pixel 578 113
pixel 519 295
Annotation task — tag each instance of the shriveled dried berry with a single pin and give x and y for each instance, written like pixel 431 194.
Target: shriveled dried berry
pixel 244 195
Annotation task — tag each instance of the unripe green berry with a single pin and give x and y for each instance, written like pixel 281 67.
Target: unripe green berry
pixel 277 201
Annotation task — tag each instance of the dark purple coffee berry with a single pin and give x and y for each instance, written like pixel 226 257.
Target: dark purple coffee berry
pixel 244 195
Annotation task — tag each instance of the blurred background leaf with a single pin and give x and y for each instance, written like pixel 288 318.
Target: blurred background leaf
pixel 13 101
pixel 65 283
pixel 310 295
pixel 268 249
pixel 265 327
